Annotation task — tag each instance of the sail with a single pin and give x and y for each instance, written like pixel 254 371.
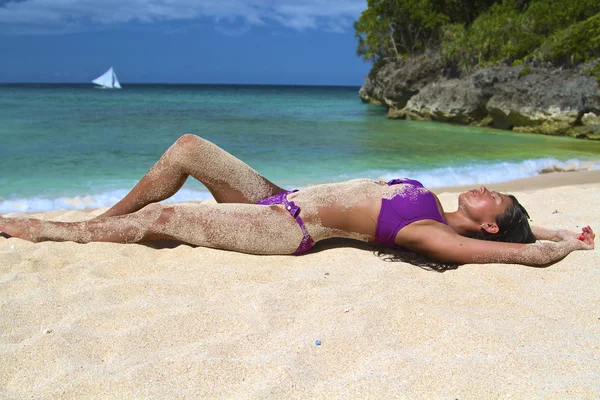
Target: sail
pixel 116 83
pixel 108 80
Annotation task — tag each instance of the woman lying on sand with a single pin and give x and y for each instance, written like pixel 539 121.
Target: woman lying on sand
pixel 253 215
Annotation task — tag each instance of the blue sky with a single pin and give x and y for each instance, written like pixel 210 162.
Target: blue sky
pixel 181 41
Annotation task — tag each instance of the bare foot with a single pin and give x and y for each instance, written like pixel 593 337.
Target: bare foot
pixel 23 228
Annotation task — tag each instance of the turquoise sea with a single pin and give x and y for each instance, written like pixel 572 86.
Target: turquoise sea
pixel 73 146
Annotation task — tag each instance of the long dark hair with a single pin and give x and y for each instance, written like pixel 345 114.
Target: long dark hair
pixel 416 259
pixel 513 226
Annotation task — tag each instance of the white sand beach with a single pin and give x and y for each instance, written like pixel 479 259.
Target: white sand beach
pixel 161 321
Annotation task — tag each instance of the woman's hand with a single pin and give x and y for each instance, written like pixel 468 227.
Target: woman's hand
pixel 586 238
pixel 579 241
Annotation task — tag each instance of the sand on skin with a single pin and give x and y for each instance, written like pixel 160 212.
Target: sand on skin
pixel 108 320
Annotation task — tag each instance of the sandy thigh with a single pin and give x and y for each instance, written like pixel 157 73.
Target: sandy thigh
pixel 245 228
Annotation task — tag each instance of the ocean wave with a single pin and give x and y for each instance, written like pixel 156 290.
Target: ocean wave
pixel 36 204
pixel 472 174
pixel 482 173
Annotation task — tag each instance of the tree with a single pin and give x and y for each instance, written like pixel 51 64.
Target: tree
pixel 374 31
pixel 393 28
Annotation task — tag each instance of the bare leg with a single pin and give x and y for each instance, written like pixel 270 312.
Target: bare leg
pixel 239 227
pixel 227 178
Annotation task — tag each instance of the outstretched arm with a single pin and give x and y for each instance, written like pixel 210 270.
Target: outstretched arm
pixel 442 243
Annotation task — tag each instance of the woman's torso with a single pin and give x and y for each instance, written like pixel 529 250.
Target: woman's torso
pixel 349 209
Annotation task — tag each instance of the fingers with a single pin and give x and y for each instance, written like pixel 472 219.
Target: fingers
pixel 585 245
pixel 587 236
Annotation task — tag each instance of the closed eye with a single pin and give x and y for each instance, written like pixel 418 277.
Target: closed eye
pixel 495 196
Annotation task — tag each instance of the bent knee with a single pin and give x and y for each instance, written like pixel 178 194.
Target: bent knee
pixel 189 147
pixel 186 137
pixel 189 140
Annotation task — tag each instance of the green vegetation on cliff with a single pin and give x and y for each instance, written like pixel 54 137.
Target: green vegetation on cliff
pixel 400 27
pixel 481 33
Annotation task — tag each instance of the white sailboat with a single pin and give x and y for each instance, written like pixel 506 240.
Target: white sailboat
pixel 107 80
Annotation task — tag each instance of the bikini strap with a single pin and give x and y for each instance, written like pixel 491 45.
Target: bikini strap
pixel 307 241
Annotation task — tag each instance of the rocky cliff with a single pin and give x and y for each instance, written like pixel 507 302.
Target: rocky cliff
pixel 525 98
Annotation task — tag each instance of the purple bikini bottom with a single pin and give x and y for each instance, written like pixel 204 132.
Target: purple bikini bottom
pixel 281 198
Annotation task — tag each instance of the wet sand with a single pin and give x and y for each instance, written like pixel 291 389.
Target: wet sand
pixel 165 321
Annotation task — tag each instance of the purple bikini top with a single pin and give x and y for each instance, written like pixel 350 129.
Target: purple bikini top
pixel 413 203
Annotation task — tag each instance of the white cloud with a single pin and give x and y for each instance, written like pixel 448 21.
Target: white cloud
pixel 48 15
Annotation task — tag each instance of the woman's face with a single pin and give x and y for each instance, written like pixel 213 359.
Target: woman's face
pixel 483 206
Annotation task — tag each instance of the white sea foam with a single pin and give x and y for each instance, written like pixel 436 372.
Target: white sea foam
pixel 449 176
pixel 87 201
pixel 491 173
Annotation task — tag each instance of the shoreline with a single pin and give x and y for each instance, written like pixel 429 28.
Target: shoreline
pixel 532 184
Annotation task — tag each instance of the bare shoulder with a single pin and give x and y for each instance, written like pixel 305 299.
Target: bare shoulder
pixel 438 241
